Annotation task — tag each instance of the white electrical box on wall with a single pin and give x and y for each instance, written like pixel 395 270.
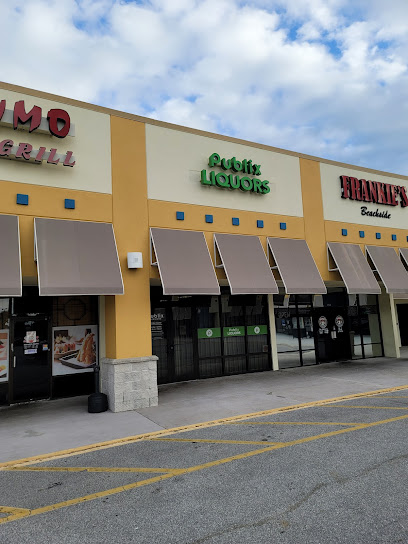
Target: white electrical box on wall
pixel 135 259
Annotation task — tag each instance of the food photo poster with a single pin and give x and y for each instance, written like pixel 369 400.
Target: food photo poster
pixel 75 349
pixel 4 358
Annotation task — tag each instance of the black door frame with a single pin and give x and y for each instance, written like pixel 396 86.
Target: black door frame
pixel 17 319
pixel 331 311
pixel 294 303
pixel 359 314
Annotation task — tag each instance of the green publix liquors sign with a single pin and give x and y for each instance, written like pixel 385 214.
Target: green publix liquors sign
pixel 246 178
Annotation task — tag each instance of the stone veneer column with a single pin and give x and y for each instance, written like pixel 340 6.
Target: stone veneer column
pixel 130 384
pixel 389 324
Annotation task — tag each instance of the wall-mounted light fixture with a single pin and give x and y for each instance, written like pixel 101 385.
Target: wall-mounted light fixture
pixel 135 259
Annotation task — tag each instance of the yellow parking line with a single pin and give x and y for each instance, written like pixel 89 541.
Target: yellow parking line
pixel 293 443
pixel 370 407
pixel 98 495
pixel 196 468
pixel 14 513
pixel 165 432
pixel 211 441
pixel 293 423
pixel 93 469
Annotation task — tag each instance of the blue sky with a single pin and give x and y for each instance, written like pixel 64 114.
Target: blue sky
pixel 323 77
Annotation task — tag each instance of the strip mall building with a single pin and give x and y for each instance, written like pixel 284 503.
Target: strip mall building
pixel 166 253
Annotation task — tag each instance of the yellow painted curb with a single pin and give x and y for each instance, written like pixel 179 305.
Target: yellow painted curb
pixel 148 436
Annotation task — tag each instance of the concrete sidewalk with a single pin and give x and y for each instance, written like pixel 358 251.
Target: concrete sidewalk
pixel 48 426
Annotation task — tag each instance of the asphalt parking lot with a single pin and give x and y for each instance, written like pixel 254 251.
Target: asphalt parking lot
pixel 331 471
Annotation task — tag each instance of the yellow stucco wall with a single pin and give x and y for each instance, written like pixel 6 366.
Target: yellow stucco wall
pixel 128 316
pixel 334 228
pixel 315 235
pixel 48 202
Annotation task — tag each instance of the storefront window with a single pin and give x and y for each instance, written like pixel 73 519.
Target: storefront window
pixel 257 334
pixel 365 328
pixel 294 330
pixel 75 344
pixel 208 336
pixel 183 340
pixel 159 340
pixel 306 332
pixel 233 333
pixel 4 349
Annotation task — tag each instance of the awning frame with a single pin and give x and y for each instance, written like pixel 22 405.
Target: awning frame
pixel 152 251
pixel 329 255
pixel 404 260
pixel 19 258
pixel 373 265
pixel 217 258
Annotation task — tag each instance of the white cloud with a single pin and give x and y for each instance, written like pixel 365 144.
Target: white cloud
pixel 324 77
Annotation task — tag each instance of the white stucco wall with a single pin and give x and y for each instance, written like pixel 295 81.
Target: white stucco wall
pixel 175 160
pixel 91 147
pixel 349 211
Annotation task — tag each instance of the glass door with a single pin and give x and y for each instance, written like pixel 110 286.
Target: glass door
pixel 209 337
pixel 233 334
pixel 181 345
pixel 333 338
pixel 30 359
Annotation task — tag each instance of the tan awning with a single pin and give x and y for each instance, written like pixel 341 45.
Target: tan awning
pixel 184 262
pixel 390 268
pixel 296 266
pixel 10 261
pixel 354 268
pixel 245 264
pixel 76 258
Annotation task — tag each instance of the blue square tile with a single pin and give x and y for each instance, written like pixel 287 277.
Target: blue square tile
pixel 22 199
pixel 344 232
pixel 393 237
pixel 282 226
pixel 361 233
pixel 378 235
pixel 259 224
pixel 180 216
pixel 209 219
pixel 235 221
pixel 70 204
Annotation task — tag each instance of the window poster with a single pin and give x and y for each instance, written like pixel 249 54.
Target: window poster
pixel 4 355
pixel 75 349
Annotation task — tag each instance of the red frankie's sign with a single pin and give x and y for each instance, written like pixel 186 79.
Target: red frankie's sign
pixel 373 191
pixel 57 123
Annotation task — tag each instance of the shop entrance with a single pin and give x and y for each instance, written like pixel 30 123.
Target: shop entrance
pixel 402 310
pixel 30 358
pixel 208 336
pixel 332 334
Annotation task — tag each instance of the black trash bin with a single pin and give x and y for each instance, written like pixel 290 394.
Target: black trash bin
pixel 97 402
